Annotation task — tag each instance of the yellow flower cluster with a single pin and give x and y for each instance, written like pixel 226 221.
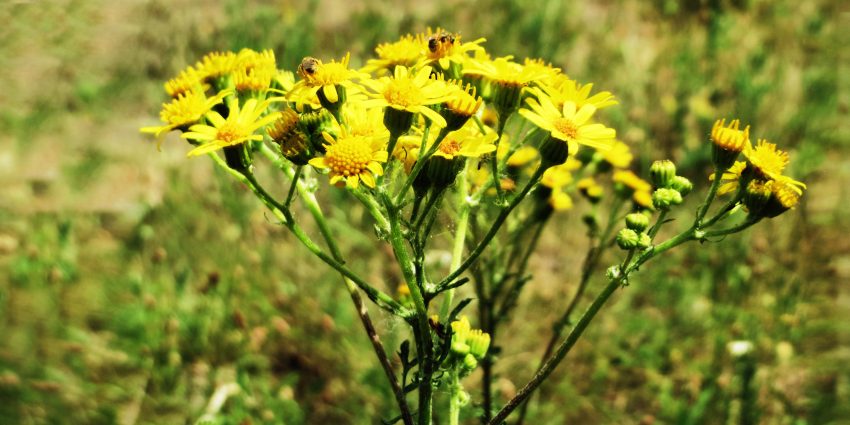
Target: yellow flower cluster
pixel 351 122
pixel 758 179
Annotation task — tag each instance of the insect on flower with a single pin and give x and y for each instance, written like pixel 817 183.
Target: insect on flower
pixel 439 41
pixel 309 66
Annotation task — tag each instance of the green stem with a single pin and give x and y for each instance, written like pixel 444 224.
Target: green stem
pixel 735 229
pixel 497 224
pixel 381 299
pixel 424 343
pixel 454 398
pixel 315 210
pixel 460 235
pixel 293 186
pixel 420 163
pixel 712 192
pixel 494 161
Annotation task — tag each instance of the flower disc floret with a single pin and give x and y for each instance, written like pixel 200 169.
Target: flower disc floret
pixel 351 160
pixel 186 109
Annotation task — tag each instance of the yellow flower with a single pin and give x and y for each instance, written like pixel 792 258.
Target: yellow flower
pixel 254 70
pixel 563 90
pixel 326 77
pixel 787 195
pixel 521 157
pixel 365 122
pixel 186 109
pixel 407 51
pixel 217 64
pixel 547 71
pixel 730 138
pixel 569 125
pixel 730 178
pixel 462 105
pixel 619 156
pixel 557 176
pixel 409 92
pixel 768 162
pixel 188 80
pixel 444 48
pixel 239 127
pixel 504 71
pixel 467 142
pixel 352 159
pixel 639 188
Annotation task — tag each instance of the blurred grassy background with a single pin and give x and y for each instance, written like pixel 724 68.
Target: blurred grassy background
pixel 133 283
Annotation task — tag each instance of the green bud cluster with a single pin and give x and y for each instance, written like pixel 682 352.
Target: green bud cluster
pixel 468 345
pixel 670 188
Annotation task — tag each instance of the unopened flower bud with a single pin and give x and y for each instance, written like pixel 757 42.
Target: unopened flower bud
pixel 460 348
pixel 663 198
pixel 662 173
pixel 637 222
pixel 470 362
pixel 628 239
pixel 644 241
pixel 553 152
pixel 682 185
pixel 478 342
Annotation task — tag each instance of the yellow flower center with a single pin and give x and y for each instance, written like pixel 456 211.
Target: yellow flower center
pixel 230 133
pixel 567 127
pixel 729 137
pixel 450 147
pixel 403 93
pixel 348 156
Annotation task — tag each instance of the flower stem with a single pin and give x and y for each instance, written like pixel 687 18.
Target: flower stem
pixel 454 398
pixel 712 192
pixel 497 224
pixel 460 235
pixel 423 343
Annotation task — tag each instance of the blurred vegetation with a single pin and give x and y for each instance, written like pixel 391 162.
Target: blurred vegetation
pixel 134 283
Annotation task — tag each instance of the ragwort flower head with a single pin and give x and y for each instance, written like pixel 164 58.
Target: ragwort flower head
pixel 562 89
pixel 239 127
pixel 254 71
pixel 352 159
pixel 184 110
pixel 407 52
pixel 570 125
pixel 411 92
pixel 329 77
pixel 217 64
pixel 728 142
pixel 189 79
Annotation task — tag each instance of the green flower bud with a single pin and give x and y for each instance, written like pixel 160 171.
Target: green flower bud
pixel 682 185
pixel 662 173
pixel 460 348
pixel 470 362
pixel 663 198
pixel 644 241
pixel 478 342
pixel 628 239
pixel 637 222
pixel 397 121
pixel 553 152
